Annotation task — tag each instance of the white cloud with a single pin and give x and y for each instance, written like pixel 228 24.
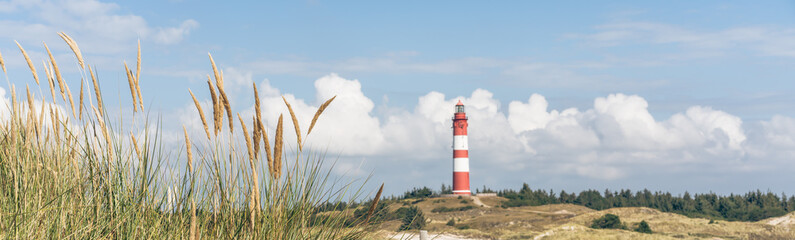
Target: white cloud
pixel 609 141
pixel 175 35
pixel 98 27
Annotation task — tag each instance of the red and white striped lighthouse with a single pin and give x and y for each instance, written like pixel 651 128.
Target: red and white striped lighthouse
pixel 460 152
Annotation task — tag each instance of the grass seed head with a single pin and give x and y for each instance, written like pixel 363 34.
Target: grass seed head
pixel 56 71
pixel 73 45
pixel 131 81
pixel 71 100
pixel 2 63
pixel 277 151
pixel 188 148
pixel 50 79
pixel 96 90
pixel 318 112
pixel 138 63
pixel 218 79
pixel 295 123
pixel 80 107
pixel 266 144
pixel 30 63
pixel 248 139
pixel 375 203
pixel 255 136
pixel 217 117
pixel 201 114
pixel 228 108
pixel 135 145
pixel 256 120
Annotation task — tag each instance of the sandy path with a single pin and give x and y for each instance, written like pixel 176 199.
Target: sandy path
pixel 433 236
pixel 477 202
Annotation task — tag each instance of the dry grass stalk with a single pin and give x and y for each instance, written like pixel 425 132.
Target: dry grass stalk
pixel 140 97
pixel 50 79
pixel 193 223
pixel 254 193
pixel 375 203
pixel 137 77
pixel 256 135
pixel 135 144
pixel 218 118
pixel 317 114
pixel 255 196
pixel 201 114
pixel 14 110
pixel 96 90
pixel 2 63
pixel 131 81
pixel 104 131
pixel 71 100
pixel 228 108
pixel 73 45
pixel 215 71
pixel 56 72
pixel 31 113
pixel 295 124
pixel 256 120
pixel 138 63
pixel 266 143
pixel 188 148
pixel 81 101
pixel 30 63
pixel 56 123
pixel 277 151
pixel 41 116
pixel 248 140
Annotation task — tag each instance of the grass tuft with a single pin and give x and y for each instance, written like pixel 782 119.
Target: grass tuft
pixel 80 176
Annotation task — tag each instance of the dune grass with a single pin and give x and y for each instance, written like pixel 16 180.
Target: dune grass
pixel 72 174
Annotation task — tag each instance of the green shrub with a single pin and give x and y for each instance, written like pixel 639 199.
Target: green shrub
pixel 413 219
pixel 451 222
pixel 608 221
pixel 447 209
pixel 462 227
pixel 643 227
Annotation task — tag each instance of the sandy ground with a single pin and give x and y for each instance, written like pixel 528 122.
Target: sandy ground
pixel 477 202
pixel 432 236
pixel 788 219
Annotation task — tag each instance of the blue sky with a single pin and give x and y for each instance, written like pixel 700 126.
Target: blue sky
pixel 701 89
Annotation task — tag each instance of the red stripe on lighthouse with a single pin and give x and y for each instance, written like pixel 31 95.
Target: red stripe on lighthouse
pixel 461 183
pixel 460 153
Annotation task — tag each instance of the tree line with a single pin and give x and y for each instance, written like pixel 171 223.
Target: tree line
pixel 752 206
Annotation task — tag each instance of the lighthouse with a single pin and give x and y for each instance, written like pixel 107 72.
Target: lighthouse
pixel 460 152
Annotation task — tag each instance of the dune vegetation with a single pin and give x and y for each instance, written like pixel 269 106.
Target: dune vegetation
pixel 72 169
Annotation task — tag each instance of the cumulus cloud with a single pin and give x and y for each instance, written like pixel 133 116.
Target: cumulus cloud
pixel 611 140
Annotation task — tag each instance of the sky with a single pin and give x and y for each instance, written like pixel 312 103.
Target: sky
pixel 573 95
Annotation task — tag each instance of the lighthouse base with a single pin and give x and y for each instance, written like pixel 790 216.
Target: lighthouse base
pixel 461 183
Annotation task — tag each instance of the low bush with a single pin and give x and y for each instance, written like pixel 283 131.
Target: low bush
pixel 643 227
pixel 447 209
pixel 608 221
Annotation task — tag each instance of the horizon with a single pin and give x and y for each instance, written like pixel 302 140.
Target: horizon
pixel 668 97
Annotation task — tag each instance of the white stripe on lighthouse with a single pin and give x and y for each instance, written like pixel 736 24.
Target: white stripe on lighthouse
pixel 460 164
pixel 460 142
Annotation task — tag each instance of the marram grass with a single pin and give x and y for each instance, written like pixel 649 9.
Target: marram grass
pixel 80 175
